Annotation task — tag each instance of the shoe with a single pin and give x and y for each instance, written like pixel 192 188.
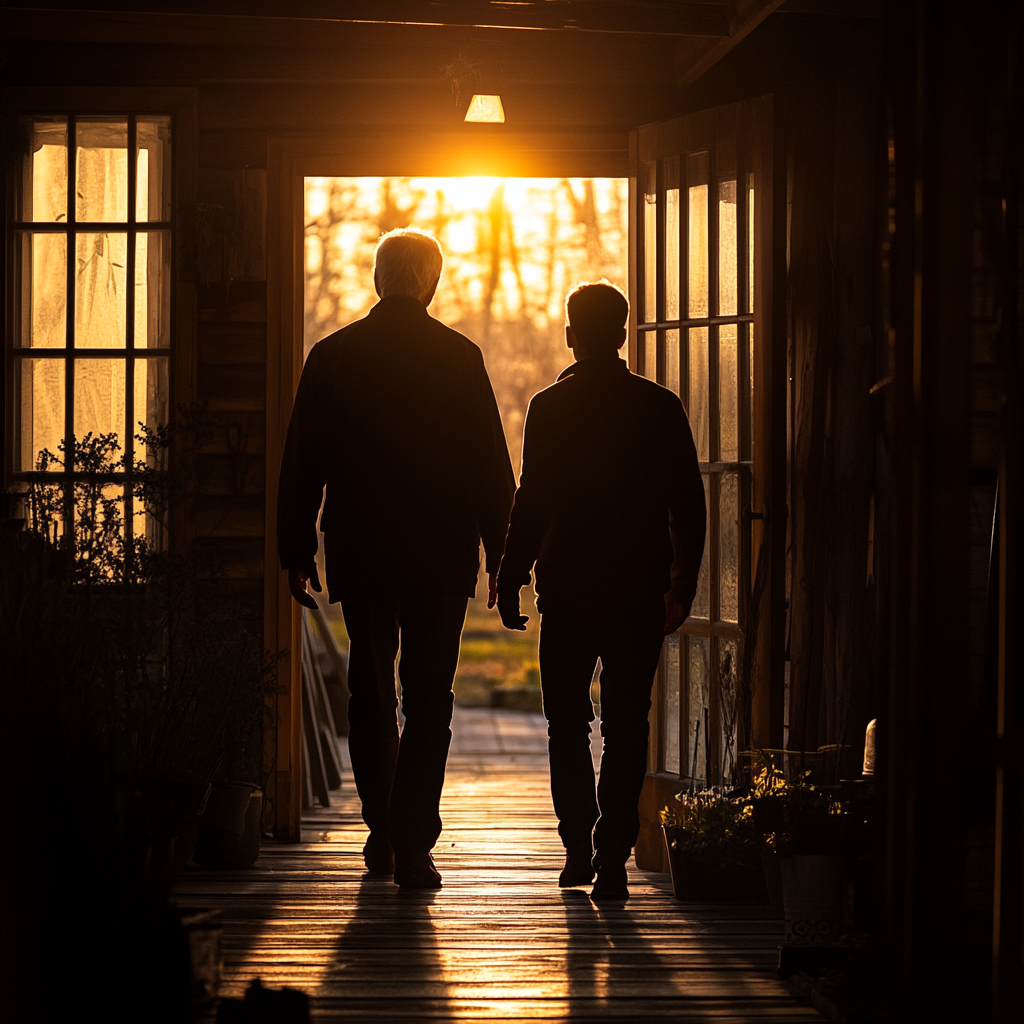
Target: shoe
pixel 610 884
pixel 378 855
pixel 416 871
pixel 579 868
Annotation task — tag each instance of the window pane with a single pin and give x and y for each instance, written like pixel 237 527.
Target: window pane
pixel 697 234
pixel 153 289
pixel 39 384
pixel 701 608
pixel 43 195
pixel 100 290
pixel 728 394
pixel 43 291
pixel 650 257
pixel 728 682
pixel 650 354
pixel 698 387
pixel 672 254
pixel 670 707
pixel 101 169
pixel 99 398
pixel 729 548
pixel 697 705
pixel 153 182
pixel 672 361
pixel 152 388
pixel 750 243
pixel 750 384
pixel 728 281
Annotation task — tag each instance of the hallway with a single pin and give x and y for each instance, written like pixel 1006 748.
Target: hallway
pixel 500 941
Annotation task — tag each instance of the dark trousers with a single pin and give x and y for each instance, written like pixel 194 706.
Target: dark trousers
pixel 400 780
pixel 628 641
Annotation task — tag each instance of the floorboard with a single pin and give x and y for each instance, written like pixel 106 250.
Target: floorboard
pixel 500 941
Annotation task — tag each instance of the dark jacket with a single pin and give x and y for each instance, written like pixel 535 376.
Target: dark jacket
pixel 610 502
pixel 396 417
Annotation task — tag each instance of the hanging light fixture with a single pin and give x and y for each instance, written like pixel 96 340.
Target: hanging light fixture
pixel 486 109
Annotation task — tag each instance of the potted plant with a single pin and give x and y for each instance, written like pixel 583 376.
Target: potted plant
pixel 713 849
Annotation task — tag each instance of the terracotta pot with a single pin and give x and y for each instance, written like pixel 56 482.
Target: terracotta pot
pixel 812 895
pixel 229 828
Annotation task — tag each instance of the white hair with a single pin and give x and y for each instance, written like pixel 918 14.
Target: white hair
pixel 407 262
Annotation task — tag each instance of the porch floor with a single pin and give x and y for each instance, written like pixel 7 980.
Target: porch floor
pixel 500 941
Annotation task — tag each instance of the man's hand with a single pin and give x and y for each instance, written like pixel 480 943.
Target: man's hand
pixel 675 613
pixel 492 589
pixel 297 580
pixel 508 609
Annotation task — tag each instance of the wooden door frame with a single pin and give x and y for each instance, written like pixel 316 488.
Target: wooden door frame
pixel 768 433
pixel 470 150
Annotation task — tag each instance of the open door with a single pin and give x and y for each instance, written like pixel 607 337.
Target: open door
pixel 702 202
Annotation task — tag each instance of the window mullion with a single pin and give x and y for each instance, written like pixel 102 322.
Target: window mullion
pixel 69 335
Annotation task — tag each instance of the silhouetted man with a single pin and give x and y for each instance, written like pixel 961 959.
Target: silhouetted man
pixel 396 417
pixel 611 508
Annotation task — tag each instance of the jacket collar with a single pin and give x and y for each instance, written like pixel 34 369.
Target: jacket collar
pixel 595 364
pixel 402 305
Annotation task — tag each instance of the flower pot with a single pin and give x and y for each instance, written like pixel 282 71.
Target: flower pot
pixel 229 828
pixel 700 879
pixel 772 871
pixel 812 896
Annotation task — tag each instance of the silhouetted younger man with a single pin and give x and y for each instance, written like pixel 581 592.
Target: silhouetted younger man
pixel 611 508
pixel 395 416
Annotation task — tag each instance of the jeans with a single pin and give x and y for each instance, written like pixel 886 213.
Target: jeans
pixel 399 779
pixel 628 641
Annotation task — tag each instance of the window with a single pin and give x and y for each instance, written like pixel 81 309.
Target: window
pixel 92 243
pixel 695 335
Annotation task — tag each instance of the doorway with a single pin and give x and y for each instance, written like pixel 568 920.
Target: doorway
pixel 514 247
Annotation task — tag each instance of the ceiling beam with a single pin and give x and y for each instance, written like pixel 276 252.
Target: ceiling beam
pixel 695 56
pixel 702 18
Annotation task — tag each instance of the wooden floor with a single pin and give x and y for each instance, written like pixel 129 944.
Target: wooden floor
pixel 500 941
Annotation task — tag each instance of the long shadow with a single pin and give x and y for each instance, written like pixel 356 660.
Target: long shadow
pixel 387 957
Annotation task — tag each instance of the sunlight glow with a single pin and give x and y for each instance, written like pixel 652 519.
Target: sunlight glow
pixel 486 110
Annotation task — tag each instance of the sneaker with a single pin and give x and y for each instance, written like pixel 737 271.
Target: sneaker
pixel 610 884
pixel 378 855
pixel 579 868
pixel 416 871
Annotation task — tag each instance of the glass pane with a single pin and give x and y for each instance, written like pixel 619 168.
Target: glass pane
pixel 101 169
pixel 697 694
pixel 650 363
pixel 728 394
pixel 43 195
pixel 697 234
pixel 99 398
pixel 728 682
pixel 750 243
pixel 672 254
pixel 729 548
pixel 153 182
pixel 100 290
pixel 750 382
pixel 40 397
pixel 670 707
pixel 153 289
pixel 43 291
pixel 728 281
pixel 701 608
pixel 650 257
pixel 152 389
pixel 698 387
pixel 672 361
pixel 99 519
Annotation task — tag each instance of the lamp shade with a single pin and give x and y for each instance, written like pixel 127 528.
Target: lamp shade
pixel 485 109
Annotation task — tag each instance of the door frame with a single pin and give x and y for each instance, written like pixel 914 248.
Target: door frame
pixel 768 432
pixel 470 150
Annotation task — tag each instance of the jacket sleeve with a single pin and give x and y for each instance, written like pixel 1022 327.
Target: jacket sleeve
pixel 687 506
pixel 303 475
pixel 533 506
pixel 490 467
